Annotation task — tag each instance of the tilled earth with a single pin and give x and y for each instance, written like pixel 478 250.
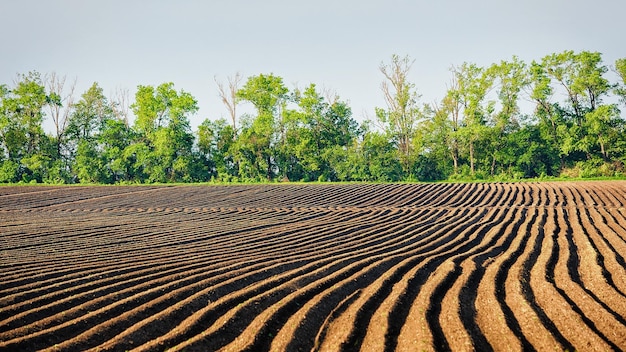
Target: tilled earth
pixel 523 266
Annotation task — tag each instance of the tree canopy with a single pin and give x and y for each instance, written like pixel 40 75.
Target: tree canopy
pixel 560 115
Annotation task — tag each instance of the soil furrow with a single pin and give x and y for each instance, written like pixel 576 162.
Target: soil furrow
pixel 393 267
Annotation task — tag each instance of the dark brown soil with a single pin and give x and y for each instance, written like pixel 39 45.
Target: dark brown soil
pixel 525 266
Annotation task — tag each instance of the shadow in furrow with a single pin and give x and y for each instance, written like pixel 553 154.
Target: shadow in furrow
pixel 432 314
pixel 502 275
pixel 600 258
pixel 440 342
pixel 400 311
pixel 337 311
pixel 618 257
pixel 332 300
pixel 315 321
pixel 364 315
pixel 157 328
pixel 469 291
pixel 572 264
pixel 263 338
pixel 527 290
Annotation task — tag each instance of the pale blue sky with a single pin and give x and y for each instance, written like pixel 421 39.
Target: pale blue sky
pixel 336 44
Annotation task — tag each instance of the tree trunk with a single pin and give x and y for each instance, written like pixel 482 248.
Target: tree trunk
pixel 269 168
pixel 471 150
pixel 455 157
pixel 455 162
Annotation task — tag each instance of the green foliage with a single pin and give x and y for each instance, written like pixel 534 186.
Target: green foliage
pixel 9 171
pixel 478 131
pixel 620 87
pixel 88 164
pixel 162 125
pixel 428 170
pixel 90 113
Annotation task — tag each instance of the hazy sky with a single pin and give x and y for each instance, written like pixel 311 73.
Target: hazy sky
pixel 336 44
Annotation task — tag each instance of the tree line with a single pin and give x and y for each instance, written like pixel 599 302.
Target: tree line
pixel 558 116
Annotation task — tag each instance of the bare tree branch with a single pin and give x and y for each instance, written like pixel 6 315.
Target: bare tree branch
pixel 61 105
pixel 120 104
pixel 229 96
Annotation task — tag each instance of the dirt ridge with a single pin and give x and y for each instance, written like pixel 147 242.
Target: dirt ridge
pixel 372 267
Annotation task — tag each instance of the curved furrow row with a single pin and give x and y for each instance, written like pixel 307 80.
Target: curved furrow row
pixel 436 196
pixel 450 311
pixel 484 291
pixel 75 286
pixel 334 292
pixel 618 191
pixel 502 297
pixel 444 237
pixel 565 277
pixel 385 248
pixel 609 253
pixel 421 325
pixel 348 342
pixel 608 195
pixel 348 251
pixel 399 195
pixel 594 250
pixel 616 232
pixel 422 194
pixel 538 283
pixel 548 281
pixel 483 266
pixel 468 195
pixel 42 280
pixel 65 276
pixel 521 298
pixel 439 238
pixel 24 190
pixel 359 313
pixel 163 265
pixel 455 193
pixel 407 195
pixel 51 198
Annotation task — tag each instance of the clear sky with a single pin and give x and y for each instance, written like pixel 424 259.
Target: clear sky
pixel 336 44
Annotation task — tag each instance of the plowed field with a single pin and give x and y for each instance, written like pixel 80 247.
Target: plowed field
pixel 505 267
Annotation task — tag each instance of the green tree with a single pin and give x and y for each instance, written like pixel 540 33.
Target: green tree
pixel 261 134
pixel 114 137
pixel 89 163
pixel 60 109
pixel 89 117
pixel 510 78
pixel 440 143
pixel 552 122
pixel 318 125
pixel 474 82
pixel 90 113
pixel 216 140
pixel 162 123
pixel 22 137
pixel 380 158
pixel 581 77
pixel 442 130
